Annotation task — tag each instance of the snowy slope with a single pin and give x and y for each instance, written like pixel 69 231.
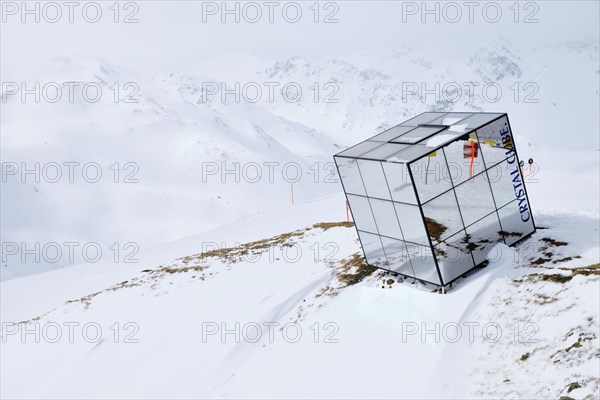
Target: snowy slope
pixel 173 156
pixel 366 344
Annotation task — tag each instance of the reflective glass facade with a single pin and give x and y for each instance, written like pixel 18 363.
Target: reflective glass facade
pixel 432 196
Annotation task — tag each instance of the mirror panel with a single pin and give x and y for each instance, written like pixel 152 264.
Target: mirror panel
pixel 373 249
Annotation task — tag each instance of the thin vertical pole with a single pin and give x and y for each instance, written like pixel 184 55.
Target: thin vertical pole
pixel 472 158
pixel 347 214
pixel 292 195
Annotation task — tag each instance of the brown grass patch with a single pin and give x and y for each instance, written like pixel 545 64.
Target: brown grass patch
pixel 556 278
pixel 329 225
pixel 553 242
pixel 354 270
pixel 177 270
pixel 435 229
pixel 233 254
pixel 85 300
pixel 506 233
pixel 590 270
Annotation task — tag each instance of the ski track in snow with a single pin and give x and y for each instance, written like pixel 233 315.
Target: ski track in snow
pixel 242 351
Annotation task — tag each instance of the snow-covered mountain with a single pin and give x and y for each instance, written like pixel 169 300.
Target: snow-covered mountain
pixel 184 166
pixel 370 91
pixel 203 157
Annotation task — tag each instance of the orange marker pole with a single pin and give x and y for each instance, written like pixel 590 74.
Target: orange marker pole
pixel 292 195
pixel 347 214
pixel 472 158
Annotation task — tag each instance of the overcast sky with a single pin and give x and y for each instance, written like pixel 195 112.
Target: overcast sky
pixel 176 36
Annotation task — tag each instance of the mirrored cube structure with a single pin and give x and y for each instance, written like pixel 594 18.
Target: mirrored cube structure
pixel 432 196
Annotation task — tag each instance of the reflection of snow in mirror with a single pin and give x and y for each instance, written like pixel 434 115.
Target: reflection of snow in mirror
pixel 451 120
pixel 439 139
pixel 458 128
